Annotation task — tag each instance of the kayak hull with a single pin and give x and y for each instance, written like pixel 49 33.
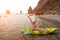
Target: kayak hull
pixel 31 31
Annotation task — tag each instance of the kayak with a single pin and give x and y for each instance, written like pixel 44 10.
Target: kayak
pixel 31 31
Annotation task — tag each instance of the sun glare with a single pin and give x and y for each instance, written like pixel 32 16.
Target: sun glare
pixel 15 6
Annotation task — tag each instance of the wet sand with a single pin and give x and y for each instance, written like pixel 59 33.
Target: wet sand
pixel 11 25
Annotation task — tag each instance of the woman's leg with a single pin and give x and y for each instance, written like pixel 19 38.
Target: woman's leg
pixel 41 30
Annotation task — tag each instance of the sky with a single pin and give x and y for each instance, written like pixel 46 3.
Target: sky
pixel 15 6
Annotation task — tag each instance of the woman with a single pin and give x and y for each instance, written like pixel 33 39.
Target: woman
pixel 37 28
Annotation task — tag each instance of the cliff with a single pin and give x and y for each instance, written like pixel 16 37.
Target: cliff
pixel 45 5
